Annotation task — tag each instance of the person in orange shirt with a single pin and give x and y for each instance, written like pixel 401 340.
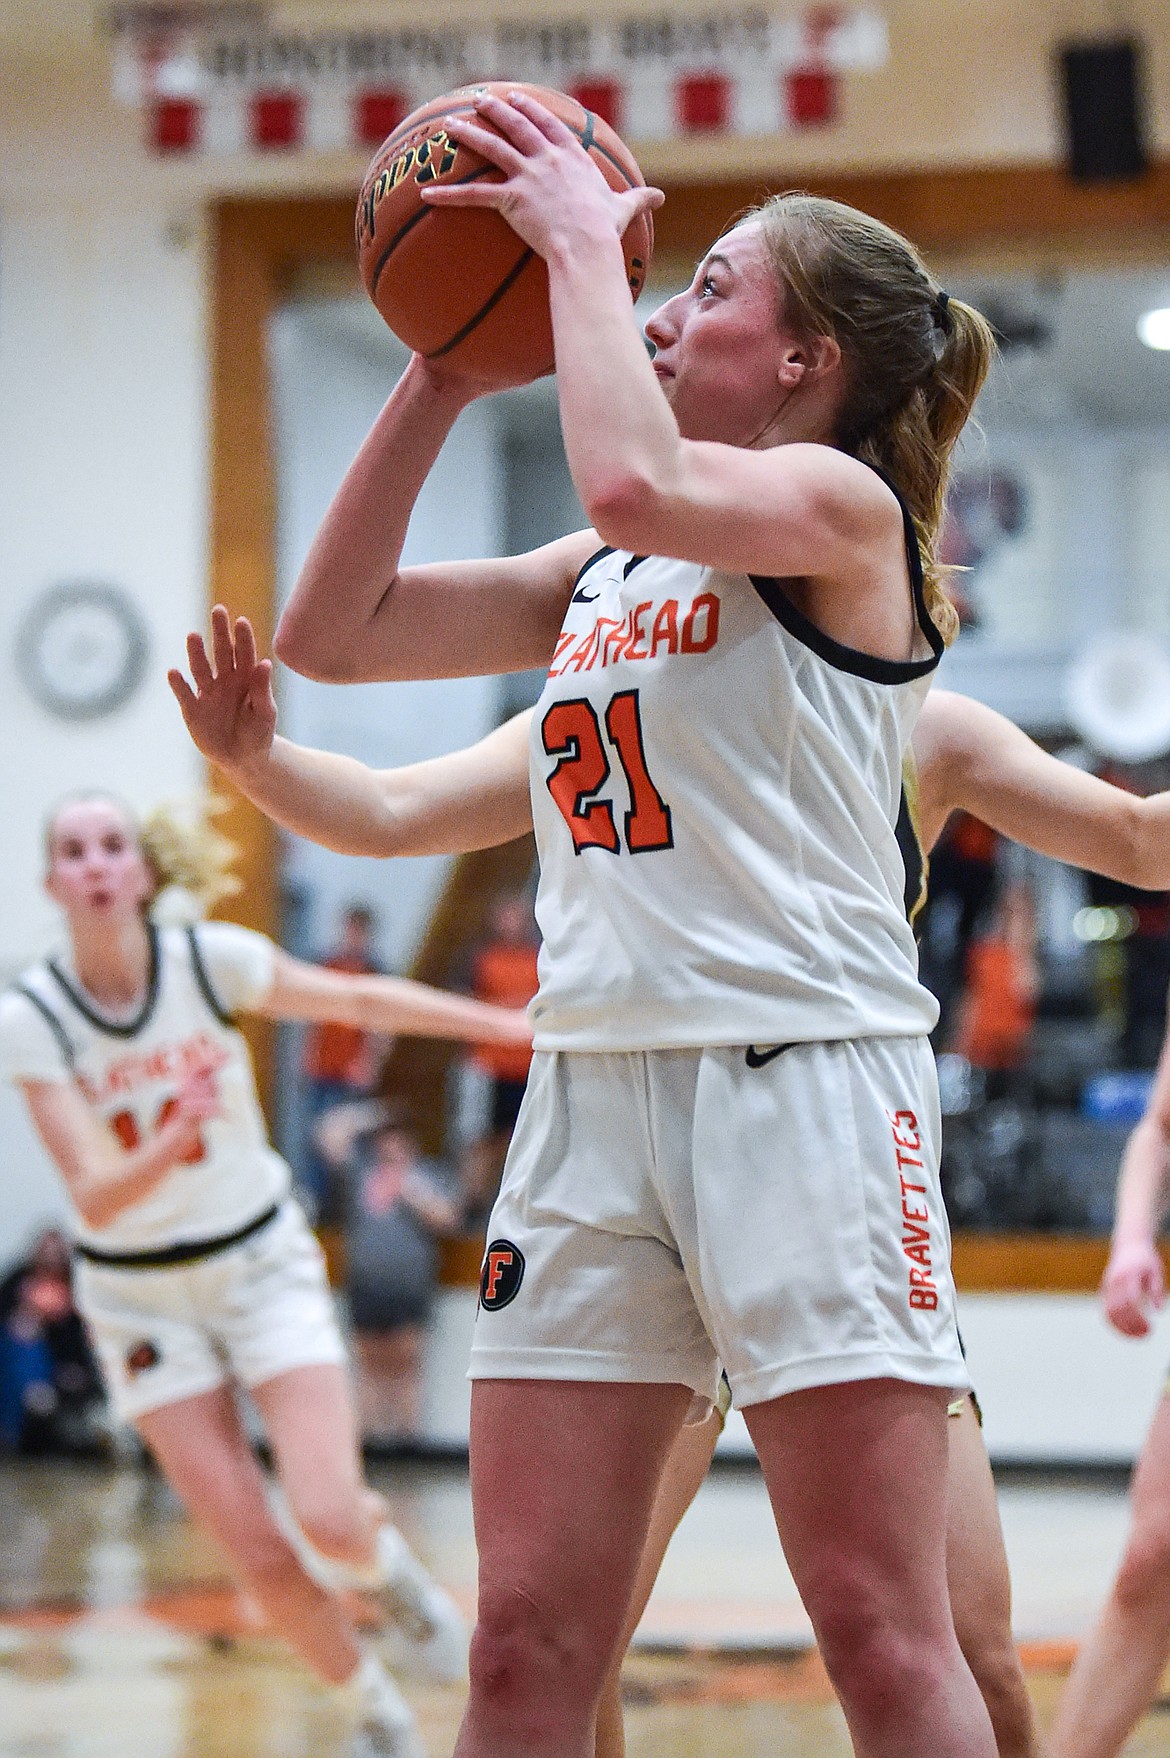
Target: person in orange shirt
pixel 504 966
pixel 339 1061
pixel 998 1010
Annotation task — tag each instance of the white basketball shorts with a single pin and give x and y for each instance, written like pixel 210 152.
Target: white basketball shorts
pixel 245 1314
pixel 774 1209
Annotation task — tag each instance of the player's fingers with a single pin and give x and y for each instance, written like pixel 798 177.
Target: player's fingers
pixel 184 695
pixel 539 123
pixel 497 149
pixel 197 659
pixel 464 195
pixel 642 201
pixel 222 649
pixel 260 693
pixel 245 646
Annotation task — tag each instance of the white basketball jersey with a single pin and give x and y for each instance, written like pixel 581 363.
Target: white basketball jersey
pixel 129 1072
pixel 716 786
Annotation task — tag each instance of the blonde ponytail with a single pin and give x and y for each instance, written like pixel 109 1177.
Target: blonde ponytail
pixel 187 853
pixel 915 359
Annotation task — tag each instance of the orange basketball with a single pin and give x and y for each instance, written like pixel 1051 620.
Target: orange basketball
pixel 457 284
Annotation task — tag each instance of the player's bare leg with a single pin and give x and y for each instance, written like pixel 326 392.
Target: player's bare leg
pixel 309 1415
pixel 206 1456
pixel 563 1479
pixel 857 1477
pixel 310 1421
pixel 1117 1672
pixel 687 1465
pixel 980 1587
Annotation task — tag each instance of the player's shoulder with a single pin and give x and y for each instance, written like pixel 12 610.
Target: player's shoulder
pixel 234 966
pixel 28 993
pixel 29 1020
pixel 16 1002
pixel 224 937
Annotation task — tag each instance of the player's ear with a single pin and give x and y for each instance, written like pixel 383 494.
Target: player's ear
pixel 810 358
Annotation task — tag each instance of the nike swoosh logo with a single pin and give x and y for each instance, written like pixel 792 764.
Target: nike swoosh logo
pixel 583 597
pixel 757 1058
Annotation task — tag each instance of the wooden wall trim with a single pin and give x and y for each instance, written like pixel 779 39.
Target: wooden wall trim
pixel 1015 1263
pixel 960 211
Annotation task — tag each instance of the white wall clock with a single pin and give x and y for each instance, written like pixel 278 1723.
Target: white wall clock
pixel 82 649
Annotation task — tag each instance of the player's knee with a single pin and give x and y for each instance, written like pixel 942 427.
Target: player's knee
pixel 524 1660
pixel 872 1661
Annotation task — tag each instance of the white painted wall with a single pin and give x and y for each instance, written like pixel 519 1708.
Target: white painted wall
pixel 328 390
pixel 102 475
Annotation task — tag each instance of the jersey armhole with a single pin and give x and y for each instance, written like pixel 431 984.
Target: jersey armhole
pixel 64 1041
pixel 203 980
pixel 853 659
pixel 598 554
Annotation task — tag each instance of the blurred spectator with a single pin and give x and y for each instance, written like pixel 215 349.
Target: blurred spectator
pixel 51 1395
pixel 963 884
pixel 340 1062
pixel 504 971
pixel 998 1010
pixel 1145 949
pixel 398 1204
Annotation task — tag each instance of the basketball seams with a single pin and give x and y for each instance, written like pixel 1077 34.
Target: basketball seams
pixel 489 305
pixel 420 214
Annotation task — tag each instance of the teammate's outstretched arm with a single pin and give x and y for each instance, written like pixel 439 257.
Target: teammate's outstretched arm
pixel 972 759
pixel 396 1006
pixel 471 799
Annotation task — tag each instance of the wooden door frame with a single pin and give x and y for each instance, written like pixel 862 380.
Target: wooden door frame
pixel 261 245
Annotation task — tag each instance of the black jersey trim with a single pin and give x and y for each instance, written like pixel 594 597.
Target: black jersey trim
pixel 597 556
pixel 914 859
pixel 203 980
pixel 852 659
pixel 635 561
pixel 64 1042
pixel 116 1028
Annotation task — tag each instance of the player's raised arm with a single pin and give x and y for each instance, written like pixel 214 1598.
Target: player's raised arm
pixel 466 800
pixel 973 759
pixel 356 616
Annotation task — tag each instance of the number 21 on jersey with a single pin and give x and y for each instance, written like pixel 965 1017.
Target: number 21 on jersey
pixel 572 733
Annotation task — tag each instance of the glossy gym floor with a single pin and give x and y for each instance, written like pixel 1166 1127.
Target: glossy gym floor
pixel 122 1637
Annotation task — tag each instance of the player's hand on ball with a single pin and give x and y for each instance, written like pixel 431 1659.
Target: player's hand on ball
pixel 552 193
pixel 448 379
pixel 1133 1285
pixel 231 712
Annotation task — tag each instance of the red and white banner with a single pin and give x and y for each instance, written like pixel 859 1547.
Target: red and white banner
pixel 230 80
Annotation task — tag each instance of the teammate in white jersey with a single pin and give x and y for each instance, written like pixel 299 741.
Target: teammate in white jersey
pixel 963 756
pixel 197 1269
pixel 705 1167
